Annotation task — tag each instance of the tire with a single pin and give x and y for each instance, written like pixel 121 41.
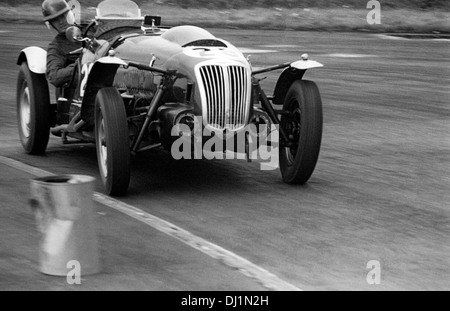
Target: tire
pixel 33 110
pixel 303 125
pixel 112 141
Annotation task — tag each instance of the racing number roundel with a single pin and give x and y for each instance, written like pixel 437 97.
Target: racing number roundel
pixel 84 77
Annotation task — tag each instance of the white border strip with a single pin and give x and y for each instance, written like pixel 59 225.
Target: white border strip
pixel 262 276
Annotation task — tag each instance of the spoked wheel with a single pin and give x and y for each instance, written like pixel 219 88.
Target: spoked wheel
pixel 303 124
pixel 112 141
pixel 33 110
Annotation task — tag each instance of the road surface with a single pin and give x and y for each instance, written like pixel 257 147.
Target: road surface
pixel 380 190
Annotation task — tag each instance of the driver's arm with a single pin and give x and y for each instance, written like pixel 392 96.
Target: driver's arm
pixel 59 72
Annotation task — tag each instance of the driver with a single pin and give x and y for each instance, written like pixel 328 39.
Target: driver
pixel 60 63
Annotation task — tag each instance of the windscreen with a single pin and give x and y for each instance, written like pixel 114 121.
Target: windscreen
pixel 118 9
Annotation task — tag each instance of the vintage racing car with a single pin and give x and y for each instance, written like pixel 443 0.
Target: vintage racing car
pixel 140 81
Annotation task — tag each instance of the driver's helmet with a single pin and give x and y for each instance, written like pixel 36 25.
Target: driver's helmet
pixel 58 15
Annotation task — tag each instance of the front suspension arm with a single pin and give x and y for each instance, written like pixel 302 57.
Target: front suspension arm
pixel 265 103
pixel 154 105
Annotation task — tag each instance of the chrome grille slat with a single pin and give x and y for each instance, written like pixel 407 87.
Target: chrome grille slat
pixel 234 93
pixel 239 96
pixel 244 91
pixel 236 96
pixel 226 90
pixel 221 97
pixel 214 97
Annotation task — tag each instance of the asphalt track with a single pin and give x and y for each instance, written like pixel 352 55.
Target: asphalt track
pixel 380 190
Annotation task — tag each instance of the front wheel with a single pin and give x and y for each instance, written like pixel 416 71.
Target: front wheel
pixel 112 141
pixel 33 110
pixel 303 124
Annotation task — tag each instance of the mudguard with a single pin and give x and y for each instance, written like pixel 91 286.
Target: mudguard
pixel 101 73
pixel 96 76
pixel 295 71
pixel 112 60
pixel 306 64
pixel 36 58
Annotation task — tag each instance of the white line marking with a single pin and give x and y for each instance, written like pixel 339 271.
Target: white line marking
pixel 255 51
pixel 282 46
pixel 387 37
pixel 5 31
pixel 262 276
pixel 345 55
pixel 440 40
pixel 37 172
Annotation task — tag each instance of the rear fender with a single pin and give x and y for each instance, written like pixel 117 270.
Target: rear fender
pixel 36 58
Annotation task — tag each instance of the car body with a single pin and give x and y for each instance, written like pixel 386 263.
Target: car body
pixel 141 83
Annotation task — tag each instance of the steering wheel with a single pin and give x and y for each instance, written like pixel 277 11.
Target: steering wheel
pixel 91 24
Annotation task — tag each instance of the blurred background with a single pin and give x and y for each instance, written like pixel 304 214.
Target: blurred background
pixel 418 16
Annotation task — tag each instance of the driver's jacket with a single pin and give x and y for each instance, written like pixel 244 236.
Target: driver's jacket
pixel 60 63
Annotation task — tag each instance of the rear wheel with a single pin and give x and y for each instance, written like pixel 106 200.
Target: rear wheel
pixel 303 124
pixel 33 110
pixel 112 141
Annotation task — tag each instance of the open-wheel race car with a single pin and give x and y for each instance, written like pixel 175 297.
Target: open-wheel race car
pixel 140 82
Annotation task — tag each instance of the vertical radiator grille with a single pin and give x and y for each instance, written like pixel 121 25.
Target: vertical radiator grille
pixel 226 90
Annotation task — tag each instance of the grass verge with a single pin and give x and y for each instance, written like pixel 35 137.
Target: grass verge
pixel 314 19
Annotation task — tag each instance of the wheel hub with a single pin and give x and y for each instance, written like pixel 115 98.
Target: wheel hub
pixel 103 149
pixel 293 129
pixel 25 112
